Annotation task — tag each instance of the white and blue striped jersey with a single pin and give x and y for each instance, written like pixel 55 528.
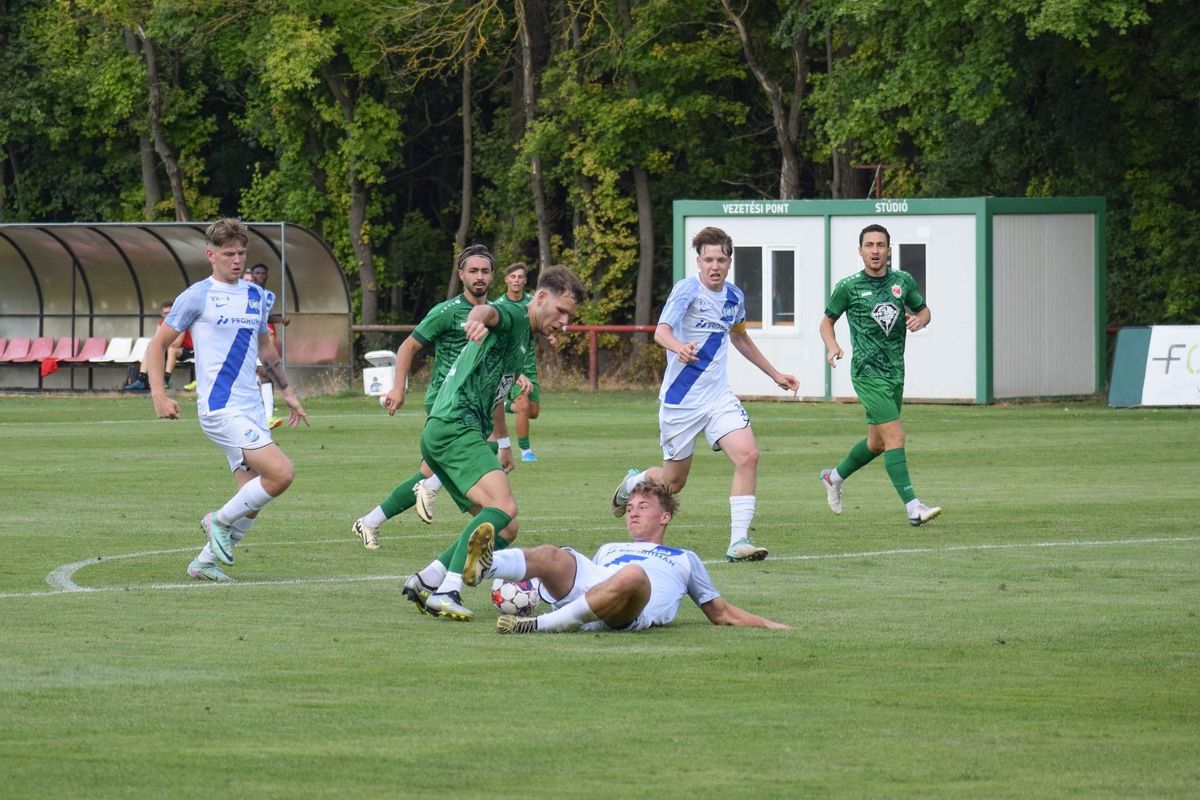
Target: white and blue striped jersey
pixel 673 573
pixel 699 315
pixel 226 321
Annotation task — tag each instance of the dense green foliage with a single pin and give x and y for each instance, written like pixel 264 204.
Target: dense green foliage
pixel 346 116
pixel 1038 640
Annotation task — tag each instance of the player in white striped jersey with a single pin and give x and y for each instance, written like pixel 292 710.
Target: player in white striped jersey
pixel 228 320
pixel 701 317
pixel 627 586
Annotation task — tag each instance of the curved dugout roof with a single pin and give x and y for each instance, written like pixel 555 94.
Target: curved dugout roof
pixel 110 279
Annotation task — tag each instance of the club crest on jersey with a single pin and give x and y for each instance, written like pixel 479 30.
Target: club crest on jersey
pixel 885 316
pixel 253 301
pixel 728 310
pixel 896 291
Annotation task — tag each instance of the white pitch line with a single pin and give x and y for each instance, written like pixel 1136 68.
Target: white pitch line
pixel 61 578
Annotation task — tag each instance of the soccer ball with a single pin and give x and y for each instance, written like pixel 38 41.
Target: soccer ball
pixel 518 598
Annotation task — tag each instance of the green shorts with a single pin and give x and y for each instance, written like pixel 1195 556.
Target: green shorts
pixel 459 455
pixel 535 394
pixel 881 398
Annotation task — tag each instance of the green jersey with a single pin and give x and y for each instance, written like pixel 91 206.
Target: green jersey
pixel 530 368
pixel 874 307
pixel 483 373
pixel 443 326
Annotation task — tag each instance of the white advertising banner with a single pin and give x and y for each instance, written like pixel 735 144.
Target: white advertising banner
pixel 1173 366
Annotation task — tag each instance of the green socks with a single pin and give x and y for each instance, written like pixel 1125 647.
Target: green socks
pixel 401 498
pixel 455 556
pixel 523 442
pixel 858 457
pixel 896 465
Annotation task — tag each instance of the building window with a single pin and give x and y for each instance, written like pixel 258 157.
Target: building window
pixel 912 261
pixel 748 276
pixel 783 287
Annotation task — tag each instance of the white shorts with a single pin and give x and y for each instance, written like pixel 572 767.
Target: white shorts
pixel 234 431
pixel 679 427
pixel 588 574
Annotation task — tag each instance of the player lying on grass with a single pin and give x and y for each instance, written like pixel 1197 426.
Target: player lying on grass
pixel 628 586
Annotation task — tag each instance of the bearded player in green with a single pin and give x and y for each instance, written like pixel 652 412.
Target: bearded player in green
pixel 881 307
pixel 443 328
pixel 454 441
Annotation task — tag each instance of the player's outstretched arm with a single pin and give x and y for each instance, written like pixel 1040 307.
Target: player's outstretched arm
pixel 720 612
pixel 394 399
pixel 749 350
pixel 155 365
pixel 273 369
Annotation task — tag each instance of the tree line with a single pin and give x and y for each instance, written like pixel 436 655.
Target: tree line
pixel 560 132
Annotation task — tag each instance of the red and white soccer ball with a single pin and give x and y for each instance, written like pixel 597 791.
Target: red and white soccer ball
pixel 518 598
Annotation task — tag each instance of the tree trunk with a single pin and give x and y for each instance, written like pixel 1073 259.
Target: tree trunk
pixel 789 170
pixel 527 98
pixel 464 218
pixel 360 196
pixel 169 161
pixel 151 191
pixel 645 210
pixel 842 183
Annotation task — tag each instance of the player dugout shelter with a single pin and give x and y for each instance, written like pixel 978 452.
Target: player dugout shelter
pixel 1015 286
pixel 108 280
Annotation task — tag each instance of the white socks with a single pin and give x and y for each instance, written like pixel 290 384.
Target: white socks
pixel 239 530
pixel 433 483
pixel 434 574
pixel 508 564
pixel 451 583
pixel 572 616
pixel 633 480
pixel 375 517
pixel 741 514
pixel 251 497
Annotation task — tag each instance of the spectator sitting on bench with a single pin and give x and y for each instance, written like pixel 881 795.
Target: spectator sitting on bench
pixel 180 349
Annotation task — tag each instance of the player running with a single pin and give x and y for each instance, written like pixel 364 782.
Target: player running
pixel 443 328
pixel 228 320
pixel 881 306
pixel 454 441
pixel 702 316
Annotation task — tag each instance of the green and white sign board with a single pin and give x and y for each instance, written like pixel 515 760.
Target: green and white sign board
pixel 1156 366
pixel 1015 286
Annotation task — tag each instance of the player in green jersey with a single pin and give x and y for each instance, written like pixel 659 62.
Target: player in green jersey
pixel 526 406
pixel 443 328
pixel 454 441
pixel 881 307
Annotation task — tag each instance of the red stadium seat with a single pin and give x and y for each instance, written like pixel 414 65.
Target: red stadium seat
pixel 94 346
pixel 65 348
pixel 17 349
pixel 40 348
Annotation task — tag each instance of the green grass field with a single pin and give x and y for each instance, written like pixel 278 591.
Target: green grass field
pixel 1040 639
